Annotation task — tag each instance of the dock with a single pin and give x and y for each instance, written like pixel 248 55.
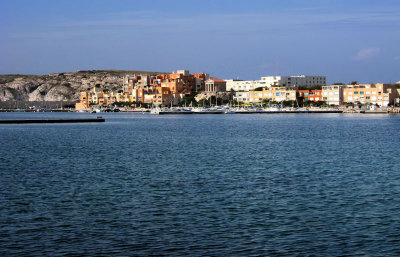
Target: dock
pixel 281 112
pixel 43 121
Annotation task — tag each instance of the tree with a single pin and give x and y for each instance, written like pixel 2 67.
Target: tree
pixel 319 103
pixel 189 99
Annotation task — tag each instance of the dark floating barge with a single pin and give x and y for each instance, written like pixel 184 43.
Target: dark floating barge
pixel 41 121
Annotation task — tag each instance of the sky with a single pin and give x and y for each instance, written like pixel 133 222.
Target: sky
pixel 349 40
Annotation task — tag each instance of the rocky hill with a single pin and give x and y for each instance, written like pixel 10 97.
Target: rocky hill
pixel 59 86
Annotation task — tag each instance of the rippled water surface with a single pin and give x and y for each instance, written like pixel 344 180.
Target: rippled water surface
pixel 301 184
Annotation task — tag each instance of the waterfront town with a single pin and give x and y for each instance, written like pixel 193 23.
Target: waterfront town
pixel 175 88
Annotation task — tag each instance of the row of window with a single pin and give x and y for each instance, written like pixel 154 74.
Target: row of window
pixel 350 98
pixel 362 93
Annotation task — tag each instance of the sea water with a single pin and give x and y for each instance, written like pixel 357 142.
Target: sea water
pixel 239 185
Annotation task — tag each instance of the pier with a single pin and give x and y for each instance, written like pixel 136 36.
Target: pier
pixel 42 121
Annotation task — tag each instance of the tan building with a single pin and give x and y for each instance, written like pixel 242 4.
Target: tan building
pixel 380 94
pixel 333 94
pixel 83 102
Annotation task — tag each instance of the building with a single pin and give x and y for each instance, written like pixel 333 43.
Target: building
pixel 309 95
pixel 273 94
pixel 215 85
pixel 290 81
pixel 200 78
pixel 161 89
pixel 244 85
pixel 378 94
pixel 83 101
pixel 333 94
pixel 285 81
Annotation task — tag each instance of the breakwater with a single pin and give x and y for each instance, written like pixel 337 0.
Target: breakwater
pixel 38 121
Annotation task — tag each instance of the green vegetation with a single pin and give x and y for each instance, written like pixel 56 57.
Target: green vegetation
pixel 316 87
pixel 188 99
pixel 312 103
pixel 212 101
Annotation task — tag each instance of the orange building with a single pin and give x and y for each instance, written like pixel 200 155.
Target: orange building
pixel 310 95
pixel 161 89
pixel 83 102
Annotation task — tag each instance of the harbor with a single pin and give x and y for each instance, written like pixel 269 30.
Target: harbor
pixel 238 111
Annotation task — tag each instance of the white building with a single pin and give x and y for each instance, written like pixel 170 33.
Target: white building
pixel 244 85
pixel 285 81
pixel 333 94
pixel 290 81
pixel 183 72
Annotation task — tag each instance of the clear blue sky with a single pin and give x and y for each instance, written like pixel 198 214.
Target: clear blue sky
pixel 345 40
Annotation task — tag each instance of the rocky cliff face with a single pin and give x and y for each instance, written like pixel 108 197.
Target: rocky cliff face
pixel 59 86
pixel 226 96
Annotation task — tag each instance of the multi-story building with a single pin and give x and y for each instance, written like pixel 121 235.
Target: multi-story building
pixel 309 95
pixel 244 85
pixel 285 81
pixel 274 94
pixel 380 94
pixel 83 101
pixel 162 89
pixel 333 94
pixel 200 78
pixel 290 81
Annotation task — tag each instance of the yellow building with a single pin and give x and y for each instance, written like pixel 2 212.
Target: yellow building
pixel 274 94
